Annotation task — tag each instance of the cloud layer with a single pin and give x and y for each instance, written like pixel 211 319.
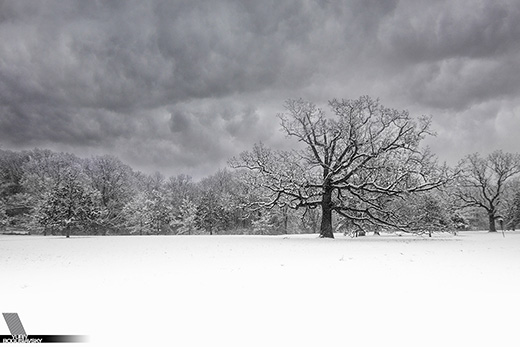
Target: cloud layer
pixel 182 86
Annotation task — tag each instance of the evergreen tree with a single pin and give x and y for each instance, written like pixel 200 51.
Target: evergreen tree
pixel 71 206
pixel 186 220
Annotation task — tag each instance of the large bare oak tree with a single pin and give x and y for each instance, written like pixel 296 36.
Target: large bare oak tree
pixel 351 163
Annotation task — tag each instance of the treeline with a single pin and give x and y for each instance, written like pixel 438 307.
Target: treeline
pixel 44 192
pixel 49 193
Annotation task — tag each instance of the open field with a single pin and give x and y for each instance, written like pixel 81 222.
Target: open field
pixel 266 291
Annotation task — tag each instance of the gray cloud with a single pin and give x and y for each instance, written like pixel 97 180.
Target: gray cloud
pixel 430 31
pixel 181 86
pixel 214 129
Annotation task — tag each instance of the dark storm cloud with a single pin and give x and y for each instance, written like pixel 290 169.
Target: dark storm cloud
pixel 458 83
pixel 434 30
pixel 75 74
pixel 458 62
pixel 183 85
pixel 211 130
pixel 455 54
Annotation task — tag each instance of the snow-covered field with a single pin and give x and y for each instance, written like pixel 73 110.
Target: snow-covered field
pixel 266 291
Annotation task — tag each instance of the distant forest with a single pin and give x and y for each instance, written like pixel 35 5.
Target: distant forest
pixel 44 192
pixel 49 193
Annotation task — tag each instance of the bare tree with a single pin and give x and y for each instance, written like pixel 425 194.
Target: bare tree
pixel 511 203
pixel 483 181
pixel 112 179
pixel 352 163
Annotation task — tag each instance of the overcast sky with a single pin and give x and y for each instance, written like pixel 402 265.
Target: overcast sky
pixel 181 86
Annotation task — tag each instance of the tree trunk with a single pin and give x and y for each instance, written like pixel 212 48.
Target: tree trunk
pixel 67 231
pixel 285 221
pixel 492 227
pixel 326 215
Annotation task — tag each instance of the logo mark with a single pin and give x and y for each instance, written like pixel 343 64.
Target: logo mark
pixel 14 324
pixel 18 334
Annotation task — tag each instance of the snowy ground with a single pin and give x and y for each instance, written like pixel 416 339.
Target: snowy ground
pixel 266 291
